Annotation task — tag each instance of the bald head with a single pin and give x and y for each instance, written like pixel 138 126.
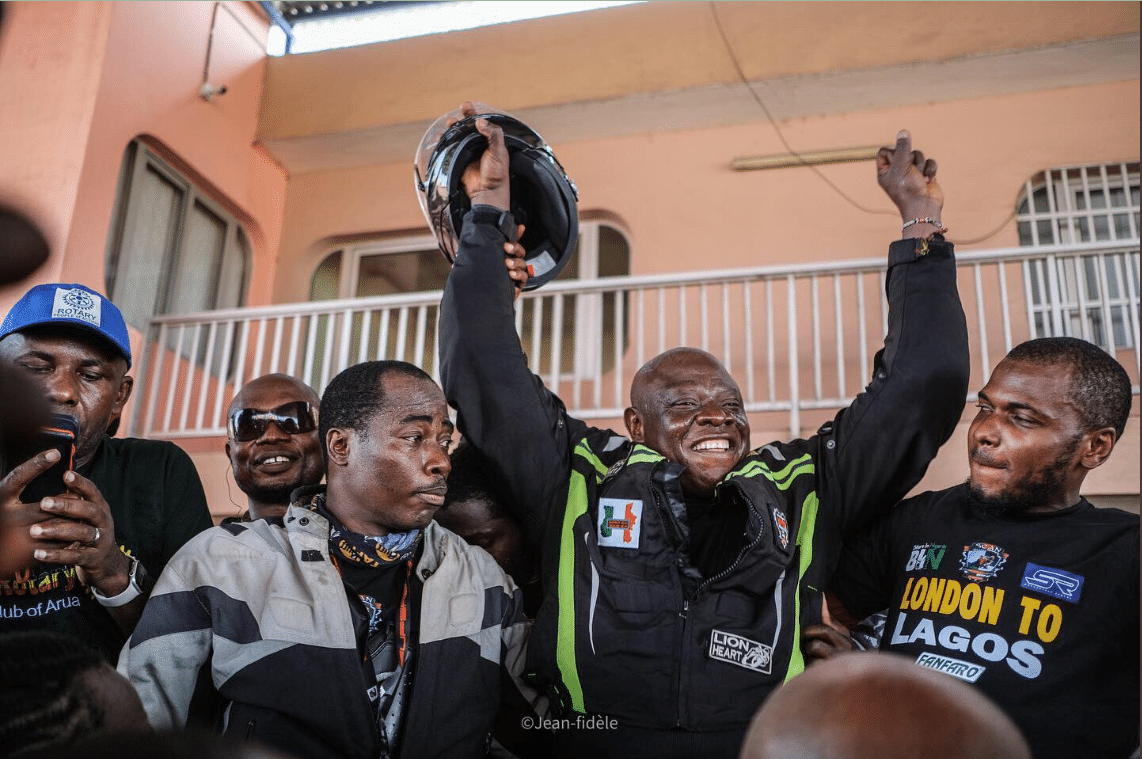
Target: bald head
pixel 667 365
pixel 686 406
pixel 880 706
pixel 272 459
pixel 272 384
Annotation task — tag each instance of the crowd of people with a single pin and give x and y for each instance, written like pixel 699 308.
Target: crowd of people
pixel 554 589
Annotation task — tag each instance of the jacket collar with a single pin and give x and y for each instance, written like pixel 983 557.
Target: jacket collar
pixel 437 540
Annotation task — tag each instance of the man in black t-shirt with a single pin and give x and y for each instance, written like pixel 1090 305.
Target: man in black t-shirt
pixel 129 504
pixel 1013 581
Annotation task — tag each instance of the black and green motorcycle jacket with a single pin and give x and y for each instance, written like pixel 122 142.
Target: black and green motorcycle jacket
pixel 630 627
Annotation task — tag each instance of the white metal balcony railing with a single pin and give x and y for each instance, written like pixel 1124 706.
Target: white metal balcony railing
pixel 796 338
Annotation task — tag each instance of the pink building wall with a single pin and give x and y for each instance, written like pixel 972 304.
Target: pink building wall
pixel 80 80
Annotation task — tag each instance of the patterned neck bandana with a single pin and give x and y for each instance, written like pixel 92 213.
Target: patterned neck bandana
pixel 387 645
pixel 365 550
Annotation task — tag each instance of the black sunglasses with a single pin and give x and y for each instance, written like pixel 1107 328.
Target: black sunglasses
pixel 248 424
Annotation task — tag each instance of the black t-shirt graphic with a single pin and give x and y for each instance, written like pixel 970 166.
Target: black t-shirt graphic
pixel 1040 611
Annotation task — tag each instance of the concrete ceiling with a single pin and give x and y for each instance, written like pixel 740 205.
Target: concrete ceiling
pixel 1064 65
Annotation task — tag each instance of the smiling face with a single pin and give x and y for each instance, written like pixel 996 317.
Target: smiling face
pixel 80 375
pixel 270 467
pixel 1027 449
pixel 391 477
pixel 687 407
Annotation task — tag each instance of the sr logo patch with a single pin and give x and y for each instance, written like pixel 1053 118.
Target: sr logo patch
pixel 1053 582
pixel 982 561
pixel 782 525
pixel 620 522
pixel 734 649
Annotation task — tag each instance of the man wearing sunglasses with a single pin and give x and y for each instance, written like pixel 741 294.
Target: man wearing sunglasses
pixel 272 442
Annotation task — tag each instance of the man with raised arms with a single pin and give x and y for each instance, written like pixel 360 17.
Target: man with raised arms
pixel 676 562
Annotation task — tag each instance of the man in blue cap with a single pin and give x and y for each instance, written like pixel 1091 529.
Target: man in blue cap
pixel 129 504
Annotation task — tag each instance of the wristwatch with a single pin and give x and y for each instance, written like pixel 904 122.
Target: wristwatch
pixel 498 218
pixel 139 583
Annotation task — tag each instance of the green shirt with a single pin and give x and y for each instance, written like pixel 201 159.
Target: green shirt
pixel 157 503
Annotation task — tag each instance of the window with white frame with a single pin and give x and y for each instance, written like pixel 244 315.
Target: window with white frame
pixel 1089 295
pixel 380 267
pixel 171 248
pixel 581 345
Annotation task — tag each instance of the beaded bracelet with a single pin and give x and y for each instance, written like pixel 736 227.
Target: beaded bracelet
pixel 926 220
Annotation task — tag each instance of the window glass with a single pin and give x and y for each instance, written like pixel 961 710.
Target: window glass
pixel 147 242
pixel 171 249
pixel 614 253
pixel 1083 295
pixel 391 273
pixel 193 284
pixel 327 278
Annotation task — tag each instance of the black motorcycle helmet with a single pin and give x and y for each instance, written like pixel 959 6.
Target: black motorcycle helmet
pixel 543 197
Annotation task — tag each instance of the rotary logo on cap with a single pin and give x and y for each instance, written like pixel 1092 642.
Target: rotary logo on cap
pixel 77 304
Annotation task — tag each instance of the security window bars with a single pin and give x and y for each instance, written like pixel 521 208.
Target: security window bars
pixel 1090 296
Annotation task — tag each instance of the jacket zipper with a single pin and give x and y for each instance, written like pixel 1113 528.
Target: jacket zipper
pixel 684 614
pixel 706 583
pixel 741 554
